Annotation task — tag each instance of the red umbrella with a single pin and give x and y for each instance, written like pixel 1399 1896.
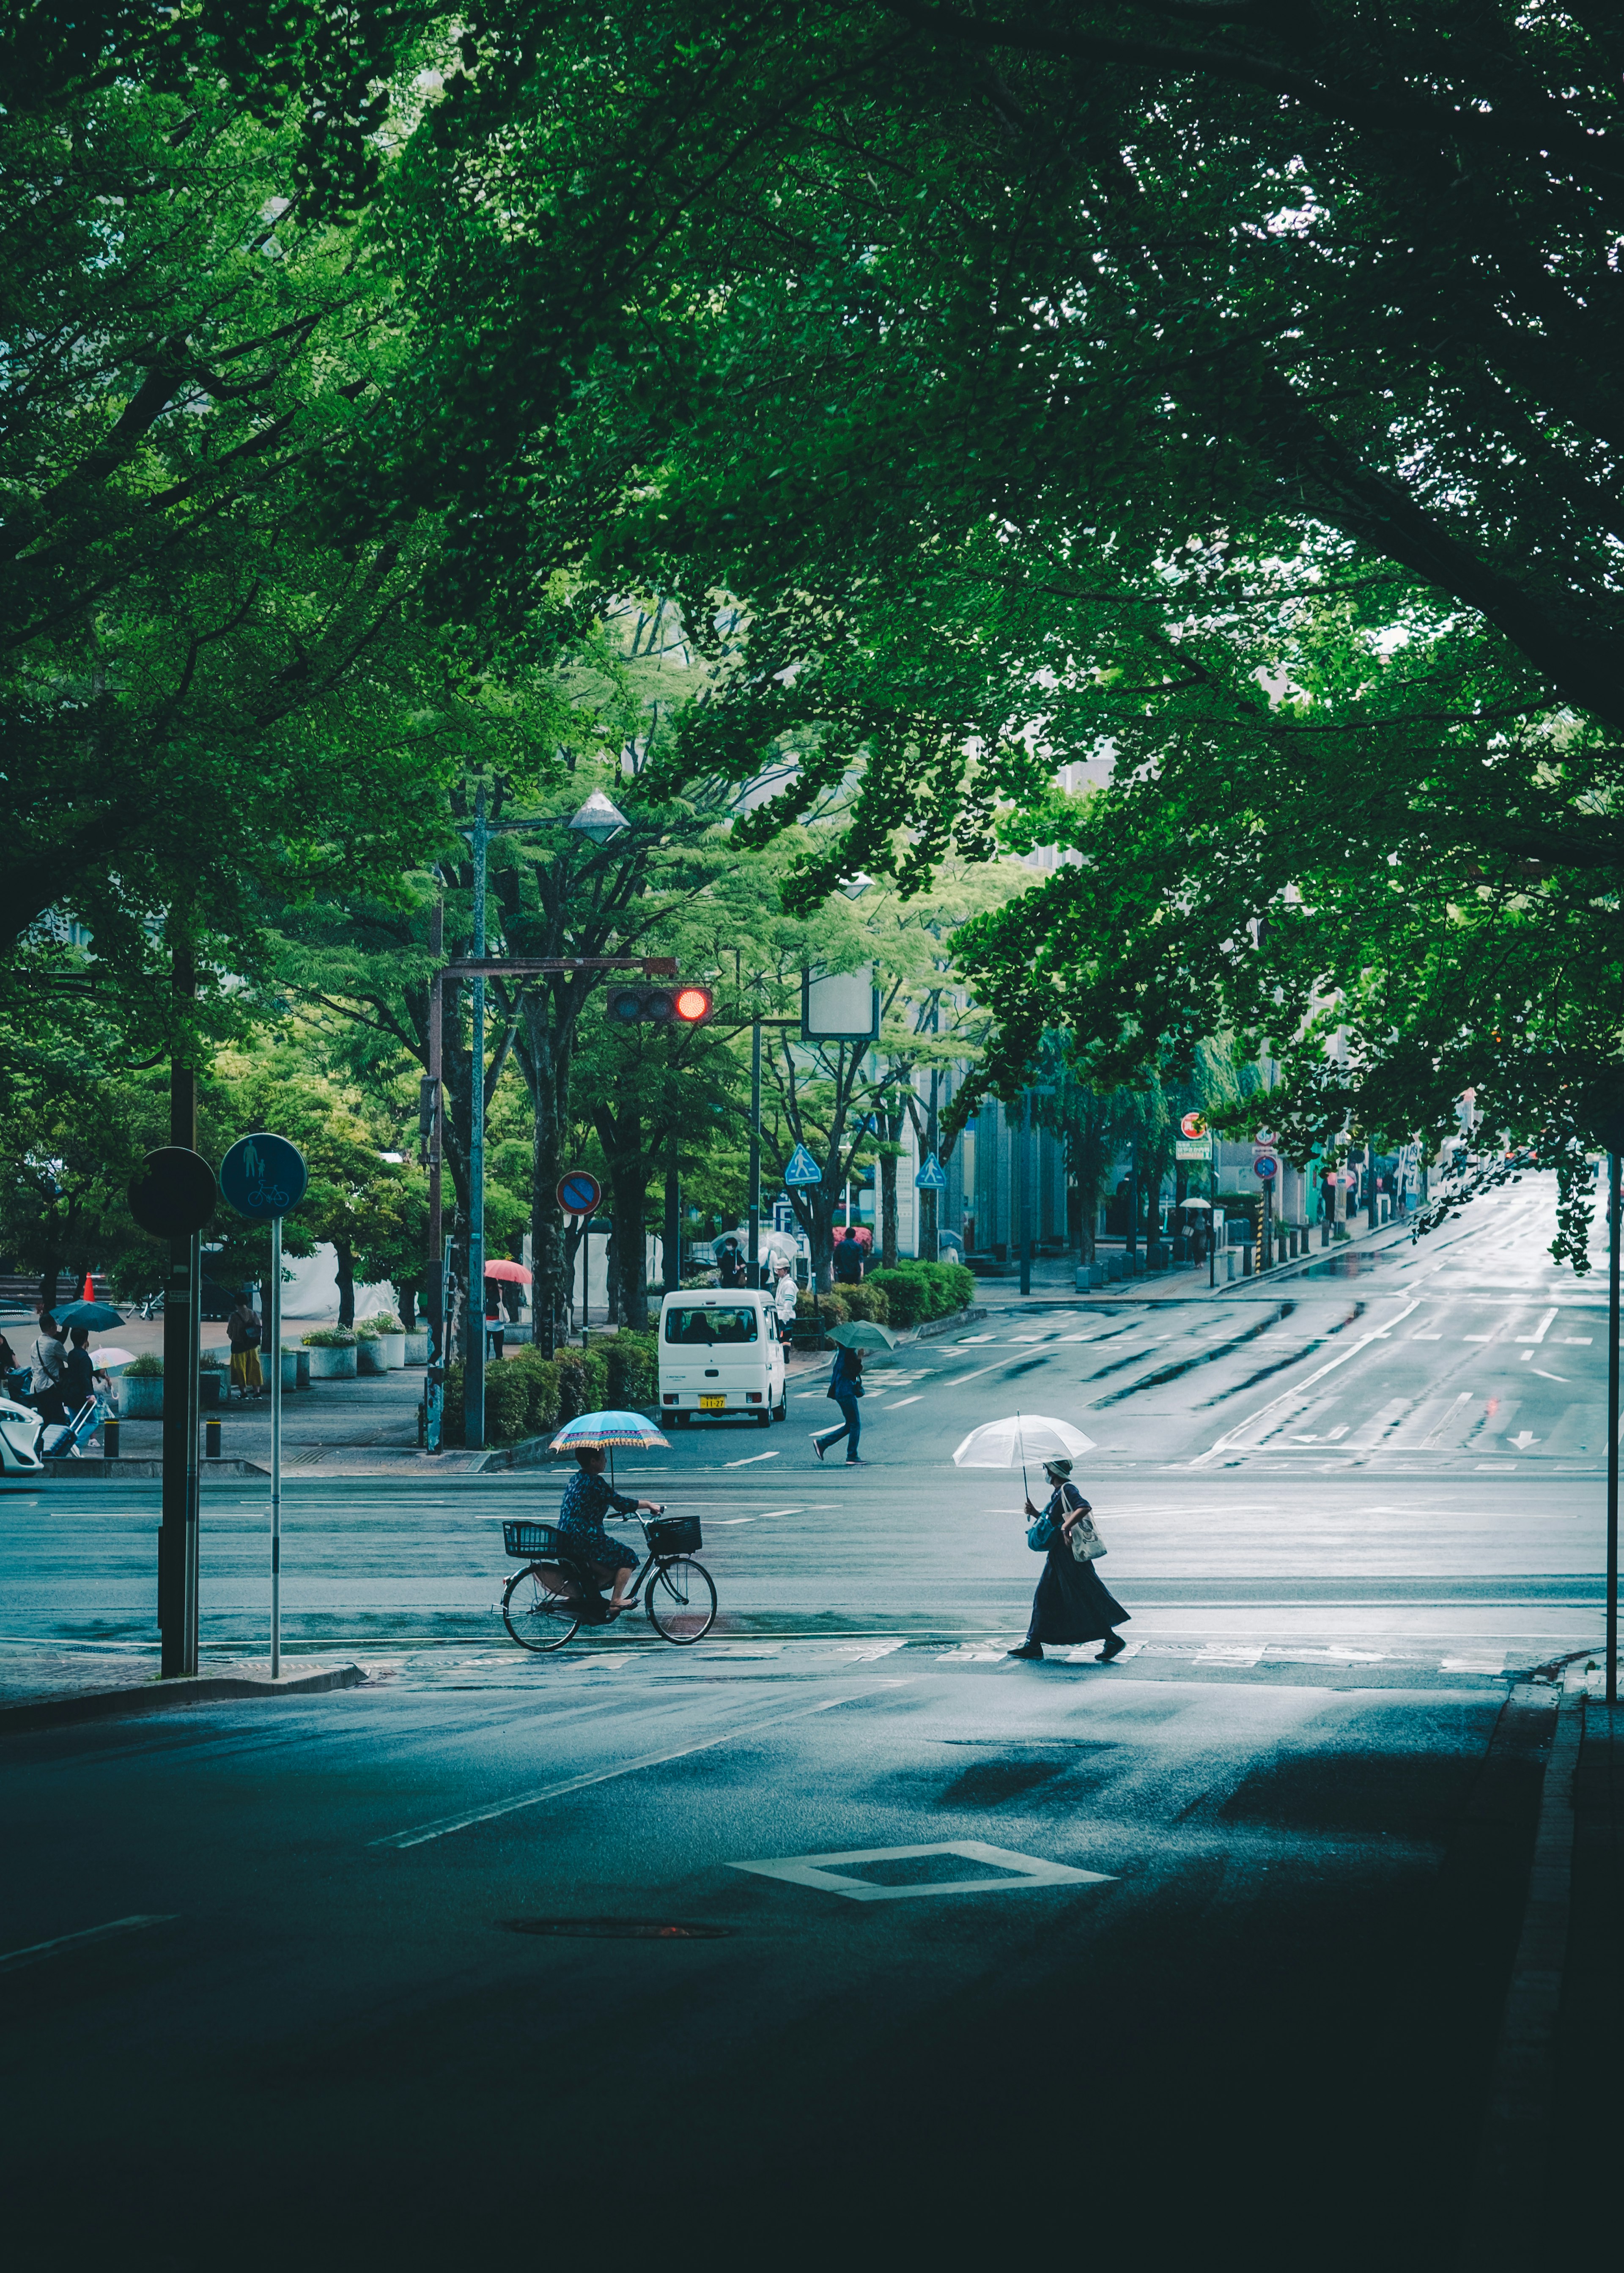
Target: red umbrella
pixel 516 1272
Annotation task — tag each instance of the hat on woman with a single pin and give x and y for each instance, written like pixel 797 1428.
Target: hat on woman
pixel 1060 1469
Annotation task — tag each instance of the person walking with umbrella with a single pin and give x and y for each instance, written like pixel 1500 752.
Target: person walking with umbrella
pixel 845 1385
pixel 1071 1603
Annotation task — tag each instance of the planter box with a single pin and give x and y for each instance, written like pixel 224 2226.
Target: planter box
pixel 369 1354
pixel 417 1350
pixel 331 1364
pixel 290 1368
pixel 394 1348
pixel 140 1397
pixel 211 1390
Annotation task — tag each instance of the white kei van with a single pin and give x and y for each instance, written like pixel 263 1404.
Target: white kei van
pixel 719 1353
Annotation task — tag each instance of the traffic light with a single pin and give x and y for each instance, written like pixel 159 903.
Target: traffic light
pixel 672 1005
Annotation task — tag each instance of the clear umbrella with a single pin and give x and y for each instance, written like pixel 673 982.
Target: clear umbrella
pixel 1022 1437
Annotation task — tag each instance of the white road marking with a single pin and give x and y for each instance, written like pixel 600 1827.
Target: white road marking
pixel 1527 1355
pixel 897 1404
pixel 750 1463
pixel 1540 1331
pixel 967 1341
pixel 958 1377
pixel 1022 1870
pixel 14 1960
pixel 1300 1393
pixel 1577 1342
pixel 1426 1338
pixel 1544 1376
pixel 424 1832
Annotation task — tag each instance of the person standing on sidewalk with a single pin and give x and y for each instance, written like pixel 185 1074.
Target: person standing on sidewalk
pixel 846 1386
pixel 242 1331
pixel 848 1260
pixel 1071 1603
pixel 784 1300
pixel 49 1359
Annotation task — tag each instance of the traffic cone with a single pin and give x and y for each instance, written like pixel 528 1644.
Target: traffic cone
pixel 89 1295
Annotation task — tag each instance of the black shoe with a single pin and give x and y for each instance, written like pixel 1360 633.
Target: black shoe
pixel 1113 1649
pixel 818 1444
pixel 1031 1649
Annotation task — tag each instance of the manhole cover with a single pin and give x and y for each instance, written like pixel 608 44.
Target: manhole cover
pixel 617 1929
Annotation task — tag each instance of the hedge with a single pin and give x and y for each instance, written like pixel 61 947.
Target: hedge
pixel 632 1362
pixel 915 1291
pixel 522 1399
pixel 868 1300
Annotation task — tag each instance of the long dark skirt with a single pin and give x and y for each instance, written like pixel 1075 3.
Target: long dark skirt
pixel 1071 1603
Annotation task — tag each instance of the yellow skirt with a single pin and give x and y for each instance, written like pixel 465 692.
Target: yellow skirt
pixel 245 1372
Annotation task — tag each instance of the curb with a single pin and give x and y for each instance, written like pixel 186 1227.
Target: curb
pixel 157 1696
pixel 96 1466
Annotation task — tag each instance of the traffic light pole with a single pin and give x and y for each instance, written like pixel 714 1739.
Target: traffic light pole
pixel 177 1535
pixel 754 1218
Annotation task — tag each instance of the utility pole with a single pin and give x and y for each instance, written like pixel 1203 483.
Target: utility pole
pixel 1613 1428
pixel 473 1364
pixel 435 1277
pixel 177 1541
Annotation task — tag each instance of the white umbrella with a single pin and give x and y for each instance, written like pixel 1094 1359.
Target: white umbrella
pixel 109 1361
pixel 1022 1437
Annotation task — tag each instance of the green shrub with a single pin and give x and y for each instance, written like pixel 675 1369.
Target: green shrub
pixel 583 1382
pixel 145 1369
pixel 961 1283
pixel 923 1290
pixel 832 1308
pixel 868 1300
pixel 541 1377
pixel 506 1404
pixel 451 1408
pixel 211 1361
pixel 367 1331
pixel 631 1370
pixel 330 1338
pixel 382 1322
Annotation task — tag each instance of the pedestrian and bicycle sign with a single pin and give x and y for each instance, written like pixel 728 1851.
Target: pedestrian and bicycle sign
pixel 264 1176
pixel 802 1168
pixel 578 1193
pixel 932 1176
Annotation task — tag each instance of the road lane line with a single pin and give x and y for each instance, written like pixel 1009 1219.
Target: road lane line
pixel 976 1375
pixel 421 1835
pixel 1540 1331
pixel 897 1405
pixel 14 1960
pixel 1226 1442
pixel 750 1463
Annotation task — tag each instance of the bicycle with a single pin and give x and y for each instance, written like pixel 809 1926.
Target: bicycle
pixel 542 1604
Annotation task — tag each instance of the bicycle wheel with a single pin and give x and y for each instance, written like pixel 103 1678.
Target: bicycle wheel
pixel 536 1612
pixel 680 1600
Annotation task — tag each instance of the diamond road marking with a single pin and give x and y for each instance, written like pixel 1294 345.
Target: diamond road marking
pixel 1023 1870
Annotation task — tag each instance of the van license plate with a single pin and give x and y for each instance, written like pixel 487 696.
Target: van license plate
pixel 713 1404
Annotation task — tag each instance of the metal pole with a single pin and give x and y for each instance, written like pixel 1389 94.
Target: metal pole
pixel 586 1257
pixel 1613 1429
pixel 1212 1219
pixel 754 1218
pixel 180 1374
pixel 433 1284
pixel 473 1370
pixel 194 1338
pixel 275 1325
pixel 672 1243
pixel 1026 1191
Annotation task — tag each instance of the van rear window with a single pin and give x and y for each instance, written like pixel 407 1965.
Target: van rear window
pixel 715 1323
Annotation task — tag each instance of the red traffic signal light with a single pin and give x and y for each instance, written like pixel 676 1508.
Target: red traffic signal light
pixel 659 1006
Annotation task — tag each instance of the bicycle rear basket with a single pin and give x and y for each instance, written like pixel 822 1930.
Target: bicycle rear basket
pixel 675 1535
pixel 530 1539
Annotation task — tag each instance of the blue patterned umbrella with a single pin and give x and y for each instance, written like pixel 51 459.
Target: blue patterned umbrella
pixel 609 1432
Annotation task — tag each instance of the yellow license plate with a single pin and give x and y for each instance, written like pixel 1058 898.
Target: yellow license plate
pixel 713 1404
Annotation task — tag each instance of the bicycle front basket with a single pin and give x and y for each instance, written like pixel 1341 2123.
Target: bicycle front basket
pixel 675 1535
pixel 530 1539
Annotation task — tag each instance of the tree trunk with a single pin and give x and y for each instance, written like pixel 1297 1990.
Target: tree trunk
pixel 887 1209
pixel 545 1060
pixel 346 1281
pixel 630 1164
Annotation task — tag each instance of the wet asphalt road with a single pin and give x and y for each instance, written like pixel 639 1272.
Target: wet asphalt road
pixel 1227 1971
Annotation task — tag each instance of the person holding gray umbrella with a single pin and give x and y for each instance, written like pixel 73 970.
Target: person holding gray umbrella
pixel 845 1385
pixel 1071 1604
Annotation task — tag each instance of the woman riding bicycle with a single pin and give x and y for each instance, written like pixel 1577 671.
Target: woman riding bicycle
pixel 587 1500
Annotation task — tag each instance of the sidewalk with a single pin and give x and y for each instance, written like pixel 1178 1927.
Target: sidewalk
pixel 1053 1277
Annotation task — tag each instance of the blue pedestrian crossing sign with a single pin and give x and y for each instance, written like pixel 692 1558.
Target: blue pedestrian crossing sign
pixel 802 1168
pixel 932 1176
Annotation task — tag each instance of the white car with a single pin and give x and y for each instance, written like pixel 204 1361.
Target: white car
pixel 720 1357
pixel 21 1430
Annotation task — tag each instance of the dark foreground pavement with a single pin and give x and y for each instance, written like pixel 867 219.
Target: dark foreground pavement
pixel 407 1977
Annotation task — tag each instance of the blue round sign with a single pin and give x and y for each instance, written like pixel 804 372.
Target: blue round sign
pixel 263 1176
pixel 579 1193
pixel 1266 1167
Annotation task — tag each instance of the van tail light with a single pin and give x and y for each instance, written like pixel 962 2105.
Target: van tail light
pixel 671 1397
pixel 752 1397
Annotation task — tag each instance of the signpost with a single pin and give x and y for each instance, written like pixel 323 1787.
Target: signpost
pixel 173 1197
pixel 263 1177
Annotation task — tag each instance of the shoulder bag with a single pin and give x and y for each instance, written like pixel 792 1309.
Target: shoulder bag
pixel 1087 1544
pixel 1042 1536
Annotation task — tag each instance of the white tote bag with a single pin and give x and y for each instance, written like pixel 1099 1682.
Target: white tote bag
pixel 1087 1544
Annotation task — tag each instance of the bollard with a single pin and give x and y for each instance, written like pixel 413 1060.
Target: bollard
pixel 211 1440
pixel 1246 1261
pixel 110 1436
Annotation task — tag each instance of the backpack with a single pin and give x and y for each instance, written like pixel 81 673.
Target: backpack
pixel 250 1331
